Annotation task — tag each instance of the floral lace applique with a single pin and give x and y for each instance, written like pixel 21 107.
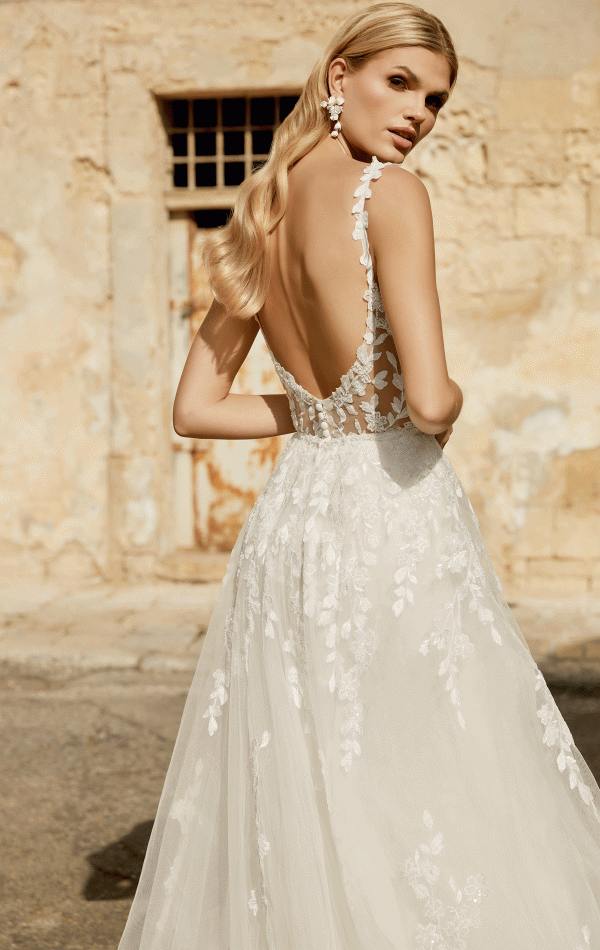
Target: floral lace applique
pixel 346 580
pixel 447 635
pixel 558 734
pixel 450 922
pixel 219 698
pixel 222 678
pixel 182 811
pixel 586 937
pixel 262 843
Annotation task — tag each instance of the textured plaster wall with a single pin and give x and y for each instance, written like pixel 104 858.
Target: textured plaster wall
pixel 86 468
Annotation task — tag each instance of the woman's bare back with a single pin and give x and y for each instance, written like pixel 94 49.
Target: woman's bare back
pixel 315 313
pixel 337 359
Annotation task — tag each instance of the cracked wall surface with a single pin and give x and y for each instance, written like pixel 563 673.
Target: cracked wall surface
pixel 513 170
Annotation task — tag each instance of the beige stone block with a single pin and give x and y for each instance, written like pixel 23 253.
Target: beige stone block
pixel 198 599
pixel 140 368
pixel 197 565
pixel 569 651
pixel 78 133
pixel 585 93
pixel 534 539
pixel 136 136
pixel 519 566
pixel 472 160
pixel 577 535
pixel 470 110
pixel 183 500
pixel 473 212
pixel 79 72
pixel 526 158
pixel 171 662
pixel 547 210
pixel 594 208
pixel 140 520
pixel 511 264
pixel 583 154
pixel 11 259
pixel 559 567
pixel 555 578
pixel 444 160
pixel 592 649
pixel 550 102
pixel 73 563
pixel 541 585
pixel 138 566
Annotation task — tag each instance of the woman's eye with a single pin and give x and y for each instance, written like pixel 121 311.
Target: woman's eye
pixel 437 102
pixel 398 80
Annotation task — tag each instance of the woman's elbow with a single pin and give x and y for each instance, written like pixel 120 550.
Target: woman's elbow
pixel 434 415
pixel 186 423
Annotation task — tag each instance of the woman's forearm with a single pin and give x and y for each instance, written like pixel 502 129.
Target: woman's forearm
pixel 236 417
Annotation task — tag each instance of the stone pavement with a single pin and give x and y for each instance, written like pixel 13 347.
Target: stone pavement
pixel 160 625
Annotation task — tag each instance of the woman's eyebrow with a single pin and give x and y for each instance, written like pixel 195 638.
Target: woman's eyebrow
pixel 444 93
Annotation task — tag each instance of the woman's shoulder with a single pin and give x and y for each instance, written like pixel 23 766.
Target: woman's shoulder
pixel 398 185
pixel 337 178
pixel 399 201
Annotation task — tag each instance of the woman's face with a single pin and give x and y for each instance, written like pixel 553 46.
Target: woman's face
pixel 390 103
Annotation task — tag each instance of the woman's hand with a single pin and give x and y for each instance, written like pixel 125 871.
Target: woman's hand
pixel 442 437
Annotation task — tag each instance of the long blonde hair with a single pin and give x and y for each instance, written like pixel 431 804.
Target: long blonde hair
pixel 234 255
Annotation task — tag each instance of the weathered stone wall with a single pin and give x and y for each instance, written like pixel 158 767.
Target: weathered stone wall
pixel 86 465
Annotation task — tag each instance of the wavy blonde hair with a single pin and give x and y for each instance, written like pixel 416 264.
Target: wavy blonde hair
pixel 234 255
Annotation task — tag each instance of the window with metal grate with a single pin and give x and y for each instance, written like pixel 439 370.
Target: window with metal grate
pixel 215 144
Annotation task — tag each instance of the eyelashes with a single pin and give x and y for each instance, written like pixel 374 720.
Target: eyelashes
pixel 436 102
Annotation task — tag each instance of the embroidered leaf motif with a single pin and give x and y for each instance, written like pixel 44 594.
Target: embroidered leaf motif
pixel 450 920
pixel 585 930
pixel 219 698
pixel 557 733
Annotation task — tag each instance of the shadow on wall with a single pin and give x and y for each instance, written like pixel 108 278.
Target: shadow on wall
pixel 116 868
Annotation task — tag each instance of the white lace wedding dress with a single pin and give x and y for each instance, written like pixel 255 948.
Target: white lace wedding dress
pixel 369 757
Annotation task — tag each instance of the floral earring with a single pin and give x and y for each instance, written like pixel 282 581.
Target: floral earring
pixel 334 107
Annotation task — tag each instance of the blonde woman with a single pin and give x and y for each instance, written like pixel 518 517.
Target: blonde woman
pixel 369 757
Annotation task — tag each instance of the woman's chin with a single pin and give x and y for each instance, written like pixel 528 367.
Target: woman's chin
pixel 391 155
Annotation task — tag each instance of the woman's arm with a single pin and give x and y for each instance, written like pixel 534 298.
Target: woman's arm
pixel 204 407
pixel 402 244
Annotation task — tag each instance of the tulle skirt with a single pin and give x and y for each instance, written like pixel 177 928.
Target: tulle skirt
pixel 369 757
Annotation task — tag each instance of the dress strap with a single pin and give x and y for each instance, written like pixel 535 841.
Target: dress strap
pixel 371 173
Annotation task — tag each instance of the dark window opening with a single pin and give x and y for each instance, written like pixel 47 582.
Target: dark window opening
pixel 211 217
pixel 217 143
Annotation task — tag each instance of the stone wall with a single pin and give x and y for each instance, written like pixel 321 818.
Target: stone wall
pixel 86 462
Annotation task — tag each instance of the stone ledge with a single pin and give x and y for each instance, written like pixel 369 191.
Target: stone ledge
pixel 194 566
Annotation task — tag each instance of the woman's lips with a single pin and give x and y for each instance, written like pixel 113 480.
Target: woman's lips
pixel 400 140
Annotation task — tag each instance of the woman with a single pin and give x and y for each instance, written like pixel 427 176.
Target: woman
pixel 369 757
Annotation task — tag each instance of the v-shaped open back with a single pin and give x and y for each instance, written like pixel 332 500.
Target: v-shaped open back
pixel 366 400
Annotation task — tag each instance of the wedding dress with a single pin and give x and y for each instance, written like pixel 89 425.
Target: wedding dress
pixel 369 757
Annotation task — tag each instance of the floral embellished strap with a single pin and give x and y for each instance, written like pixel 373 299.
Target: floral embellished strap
pixel 371 173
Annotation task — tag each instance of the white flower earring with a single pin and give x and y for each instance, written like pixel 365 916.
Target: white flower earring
pixel 334 107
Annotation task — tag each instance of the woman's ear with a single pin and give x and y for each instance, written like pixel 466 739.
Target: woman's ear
pixel 338 70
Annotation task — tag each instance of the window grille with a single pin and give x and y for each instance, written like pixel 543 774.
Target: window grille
pixel 214 144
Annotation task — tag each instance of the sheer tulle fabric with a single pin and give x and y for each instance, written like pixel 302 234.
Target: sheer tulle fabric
pixel 369 757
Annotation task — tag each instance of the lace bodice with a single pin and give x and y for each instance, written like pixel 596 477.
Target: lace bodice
pixel 370 396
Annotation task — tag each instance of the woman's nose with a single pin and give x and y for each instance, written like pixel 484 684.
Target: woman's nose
pixel 415 109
